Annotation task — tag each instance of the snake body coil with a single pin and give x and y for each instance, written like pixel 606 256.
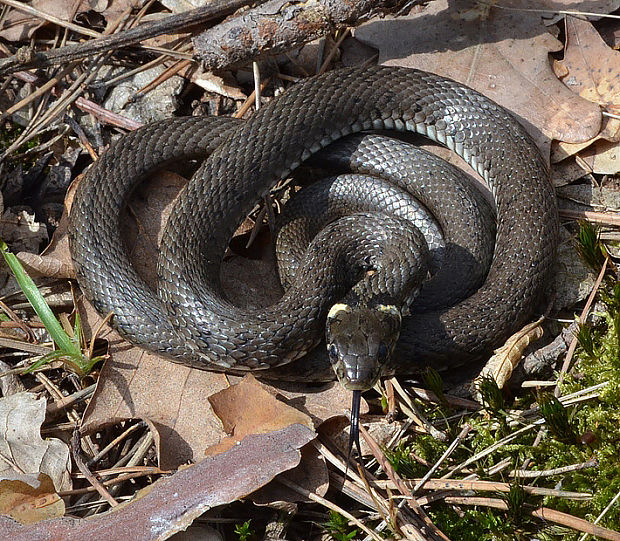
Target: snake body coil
pixel 190 321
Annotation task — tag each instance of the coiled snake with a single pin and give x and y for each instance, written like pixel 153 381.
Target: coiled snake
pixel 189 319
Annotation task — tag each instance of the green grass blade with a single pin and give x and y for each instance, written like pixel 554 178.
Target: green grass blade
pixel 42 309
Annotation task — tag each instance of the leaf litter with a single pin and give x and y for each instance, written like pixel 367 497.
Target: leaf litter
pixel 493 50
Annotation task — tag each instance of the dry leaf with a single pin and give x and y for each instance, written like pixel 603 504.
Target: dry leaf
pixel 590 68
pixel 222 85
pixel 55 261
pixel 502 54
pixel 602 157
pixel 249 408
pixel 311 474
pixel 505 359
pixel 29 498
pixel 19 26
pixel 172 503
pixel 172 398
pixel 21 445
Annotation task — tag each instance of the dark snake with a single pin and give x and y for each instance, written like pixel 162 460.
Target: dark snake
pixel 190 321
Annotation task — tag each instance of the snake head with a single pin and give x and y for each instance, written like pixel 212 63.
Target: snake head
pixel 360 340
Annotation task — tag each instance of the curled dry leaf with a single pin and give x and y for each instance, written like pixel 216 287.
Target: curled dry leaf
pixel 21 445
pixel 222 85
pixel 172 503
pixel 55 261
pixel 171 398
pixel 29 498
pixel 506 358
pixel 495 52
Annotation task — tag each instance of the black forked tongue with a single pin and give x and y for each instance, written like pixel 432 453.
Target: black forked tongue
pixel 354 432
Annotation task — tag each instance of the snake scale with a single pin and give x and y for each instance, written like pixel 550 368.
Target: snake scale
pixel 190 321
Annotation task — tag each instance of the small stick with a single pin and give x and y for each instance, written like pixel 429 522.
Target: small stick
pixel 451 448
pixel 400 485
pixel 75 451
pixel 525 474
pixel 607 218
pixel 573 345
pixel 168 25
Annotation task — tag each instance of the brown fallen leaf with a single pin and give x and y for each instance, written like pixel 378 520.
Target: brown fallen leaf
pixel 29 498
pixel 502 54
pixel 590 68
pixel 21 445
pixel 55 260
pixel 172 503
pixel 249 408
pixel 602 157
pixel 171 398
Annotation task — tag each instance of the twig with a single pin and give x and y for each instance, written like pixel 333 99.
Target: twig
pixel 415 414
pixel 401 486
pixel 543 513
pixel 75 451
pixel 96 458
pixel 333 52
pixel 251 99
pixel 603 513
pixel 153 470
pixel 607 218
pixel 451 448
pixel 30 336
pixel 102 114
pixel 67 401
pixel 582 319
pixel 532 474
pixel 168 25
pixel 280 25
pixel 318 499
pixel 25 8
pixel 464 485
pixel 38 92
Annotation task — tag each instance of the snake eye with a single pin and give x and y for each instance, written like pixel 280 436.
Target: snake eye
pixel 382 352
pixel 332 351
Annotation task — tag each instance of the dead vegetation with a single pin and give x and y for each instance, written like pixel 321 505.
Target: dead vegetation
pixel 103 452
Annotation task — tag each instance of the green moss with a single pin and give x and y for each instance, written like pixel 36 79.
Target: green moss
pixel 575 434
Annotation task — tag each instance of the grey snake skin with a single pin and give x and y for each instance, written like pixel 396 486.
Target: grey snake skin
pixel 190 321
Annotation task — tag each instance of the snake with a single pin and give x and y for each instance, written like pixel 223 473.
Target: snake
pixel 189 319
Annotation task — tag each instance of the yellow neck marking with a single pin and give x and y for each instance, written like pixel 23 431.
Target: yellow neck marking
pixel 338 307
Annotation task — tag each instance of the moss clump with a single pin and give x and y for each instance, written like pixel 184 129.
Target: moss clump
pixel 587 431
